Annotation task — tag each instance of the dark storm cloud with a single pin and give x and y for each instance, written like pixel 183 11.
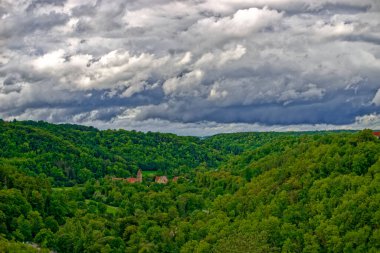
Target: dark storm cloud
pixel 224 63
pixel 40 3
pixel 364 38
pixel 22 25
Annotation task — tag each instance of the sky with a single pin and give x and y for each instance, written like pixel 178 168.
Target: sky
pixel 195 67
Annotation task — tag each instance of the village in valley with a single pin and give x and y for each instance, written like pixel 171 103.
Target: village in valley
pixel 139 179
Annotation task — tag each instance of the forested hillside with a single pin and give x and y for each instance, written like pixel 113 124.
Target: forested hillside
pixel 244 192
pixel 72 154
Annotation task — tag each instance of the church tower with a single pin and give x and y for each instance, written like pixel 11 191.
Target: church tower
pixel 139 176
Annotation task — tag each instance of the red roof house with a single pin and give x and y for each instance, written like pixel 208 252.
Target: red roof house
pixel 161 180
pixel 132 180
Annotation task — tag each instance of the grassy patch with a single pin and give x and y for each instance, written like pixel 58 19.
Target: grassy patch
pixel 149 173
pixel 59 189
pixel 66 188
pixel 110 209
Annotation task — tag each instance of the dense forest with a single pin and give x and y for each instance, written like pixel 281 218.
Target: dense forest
pixel 243 192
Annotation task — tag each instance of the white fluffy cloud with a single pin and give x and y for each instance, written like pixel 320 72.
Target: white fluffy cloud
pixel 240 24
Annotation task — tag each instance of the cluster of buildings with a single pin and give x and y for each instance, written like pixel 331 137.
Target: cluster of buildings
pixel 138 179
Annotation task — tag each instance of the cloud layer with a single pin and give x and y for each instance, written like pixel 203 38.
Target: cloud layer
pixel 192 67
